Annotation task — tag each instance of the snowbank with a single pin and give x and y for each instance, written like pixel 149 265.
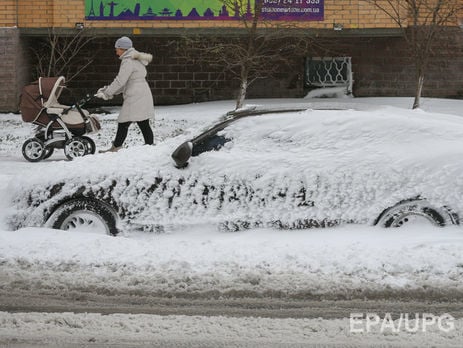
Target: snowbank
pixel 340 262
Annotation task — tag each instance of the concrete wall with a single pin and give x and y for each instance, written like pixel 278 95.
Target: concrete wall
pixel 14 68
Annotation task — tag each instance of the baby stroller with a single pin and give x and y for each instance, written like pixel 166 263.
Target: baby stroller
pixel 58 126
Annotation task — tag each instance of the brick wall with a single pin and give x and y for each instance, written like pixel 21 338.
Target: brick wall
pixel 35 13
pixel 8 13
pixel 13 69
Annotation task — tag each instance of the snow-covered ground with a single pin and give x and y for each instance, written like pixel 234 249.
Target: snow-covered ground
pixel 342 262
pixel 119 330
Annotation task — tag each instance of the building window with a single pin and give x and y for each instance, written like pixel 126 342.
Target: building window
pixel 324 72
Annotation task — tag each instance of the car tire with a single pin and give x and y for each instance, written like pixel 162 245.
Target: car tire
pixel 85 214
pixel 414 211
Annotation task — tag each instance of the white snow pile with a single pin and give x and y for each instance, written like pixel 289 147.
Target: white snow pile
pixel 329 92
pixel 342 262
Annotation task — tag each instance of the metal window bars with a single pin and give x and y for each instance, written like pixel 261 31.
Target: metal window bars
pixel 329 72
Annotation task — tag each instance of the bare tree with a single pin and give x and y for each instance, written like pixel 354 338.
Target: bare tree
pixel 258 52
pixel 60 54
pixel 423 23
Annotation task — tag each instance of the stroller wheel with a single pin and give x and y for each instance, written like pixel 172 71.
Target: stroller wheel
pixel 33 150
pixel 75 147
pixel 48 152
pixel 91 147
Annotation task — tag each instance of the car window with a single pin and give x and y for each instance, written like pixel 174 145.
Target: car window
pixel 213 142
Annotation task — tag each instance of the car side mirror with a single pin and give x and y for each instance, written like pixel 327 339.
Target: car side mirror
pixel 182 154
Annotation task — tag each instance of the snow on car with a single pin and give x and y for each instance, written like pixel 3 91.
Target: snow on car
pixel 289 167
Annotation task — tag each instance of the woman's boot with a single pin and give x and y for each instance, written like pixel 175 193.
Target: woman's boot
pixel 111 149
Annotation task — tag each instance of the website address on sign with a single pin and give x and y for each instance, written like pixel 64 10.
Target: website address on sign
pixel 290 10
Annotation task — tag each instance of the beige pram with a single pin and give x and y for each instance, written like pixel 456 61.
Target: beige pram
pixel 58 126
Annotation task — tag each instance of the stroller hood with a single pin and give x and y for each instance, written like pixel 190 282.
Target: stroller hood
pixel 35 96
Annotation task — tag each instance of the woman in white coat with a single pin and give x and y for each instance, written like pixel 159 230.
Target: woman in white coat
pixel 138 100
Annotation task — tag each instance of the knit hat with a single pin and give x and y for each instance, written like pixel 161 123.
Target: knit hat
pixel 124 43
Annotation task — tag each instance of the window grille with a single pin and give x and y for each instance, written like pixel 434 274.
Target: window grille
pixel 329 72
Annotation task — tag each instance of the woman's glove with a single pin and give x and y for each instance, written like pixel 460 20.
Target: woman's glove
pixel 101 95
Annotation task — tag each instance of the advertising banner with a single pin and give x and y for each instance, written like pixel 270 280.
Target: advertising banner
pixel 299 10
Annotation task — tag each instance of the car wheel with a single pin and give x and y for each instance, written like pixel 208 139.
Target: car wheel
pixel 75 147
pixel 85 214
pixel 414 212
pixel 33 149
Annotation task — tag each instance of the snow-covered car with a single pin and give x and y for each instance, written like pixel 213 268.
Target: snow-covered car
pixel 296 167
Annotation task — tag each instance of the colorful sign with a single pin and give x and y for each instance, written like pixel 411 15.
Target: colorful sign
pixel 307 10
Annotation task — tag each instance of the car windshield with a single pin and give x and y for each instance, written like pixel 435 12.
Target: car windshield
pixel 232 116
pixel 212 140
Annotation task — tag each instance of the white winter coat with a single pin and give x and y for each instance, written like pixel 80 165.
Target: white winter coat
pixel 131 82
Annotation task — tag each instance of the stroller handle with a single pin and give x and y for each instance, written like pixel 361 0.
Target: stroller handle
pixel 78 104
pixel 84 100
